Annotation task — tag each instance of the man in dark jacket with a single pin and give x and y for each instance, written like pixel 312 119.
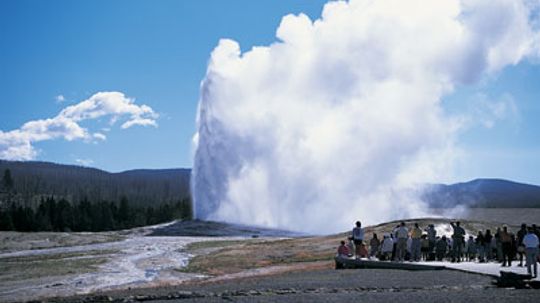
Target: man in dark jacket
pixel 440 248
pixel 457 241
pixel 506 244
pixel 487 245
pixel 520 247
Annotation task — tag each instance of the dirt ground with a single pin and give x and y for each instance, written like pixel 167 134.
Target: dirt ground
pixel 313 284
pixel 228 269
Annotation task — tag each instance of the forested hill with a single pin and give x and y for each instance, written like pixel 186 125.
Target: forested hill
pixel 490 193
pixel 142 187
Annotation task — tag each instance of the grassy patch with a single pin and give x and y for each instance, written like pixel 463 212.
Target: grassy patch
pixel 28 267
pixel 16 241
pixel 244 255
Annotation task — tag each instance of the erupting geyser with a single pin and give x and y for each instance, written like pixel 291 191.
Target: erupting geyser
pixel 332 122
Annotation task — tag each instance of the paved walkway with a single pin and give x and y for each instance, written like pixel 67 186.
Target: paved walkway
pixel 490 268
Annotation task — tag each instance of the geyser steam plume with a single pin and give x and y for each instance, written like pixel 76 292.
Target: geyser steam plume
pixel 330 123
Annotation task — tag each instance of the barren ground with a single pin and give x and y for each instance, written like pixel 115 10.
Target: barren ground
pixel 222 267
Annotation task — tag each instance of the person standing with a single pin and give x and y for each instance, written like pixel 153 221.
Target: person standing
pixel 457 241
pixel 505 237
pixel 416 245
pixel 531 251
pixel 374 245
pixel 432 238
pixel 520 248
pixel 351 246
pixel 479 241
pixel 471 249
pixel 402 234
pixel 488 250
pixel 425 248
pixel 441 247
pixel 387 247
pixel 358 239
pixel 498 244
pixel 536 231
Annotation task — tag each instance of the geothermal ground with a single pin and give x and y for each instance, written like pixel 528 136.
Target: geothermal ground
pixel 239 263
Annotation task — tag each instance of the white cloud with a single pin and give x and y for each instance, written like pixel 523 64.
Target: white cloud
pixel 99 136
pixel 329 124
pixel 60 98
pixel 139 121
pixel 17 144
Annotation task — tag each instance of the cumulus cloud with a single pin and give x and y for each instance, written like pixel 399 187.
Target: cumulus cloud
pixel 17 144
pixel 336 119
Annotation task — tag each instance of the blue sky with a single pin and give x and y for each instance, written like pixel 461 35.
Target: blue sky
pixel 157 51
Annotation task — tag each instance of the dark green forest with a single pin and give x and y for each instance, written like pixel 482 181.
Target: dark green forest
pixel 59 213
pixel 52 215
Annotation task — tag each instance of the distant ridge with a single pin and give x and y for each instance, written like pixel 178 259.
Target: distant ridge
pixel 36 179
pixel 489 193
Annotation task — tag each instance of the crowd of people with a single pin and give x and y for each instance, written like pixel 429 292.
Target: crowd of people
pixel 416 244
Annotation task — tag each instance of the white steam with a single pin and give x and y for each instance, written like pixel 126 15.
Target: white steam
pixel 330 124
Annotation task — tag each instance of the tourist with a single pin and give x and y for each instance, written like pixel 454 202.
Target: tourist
pixel 387 246
pixel 449 244
pixel 402 234
pixel 358 238
pixel 363 250
pixel 479 241
pixel 416 244
pixel 531 251
pixel 457 241
pixel 352 247
pixel 536 230
pixel 374 245
pixel 494 248
pixel 471 249
pixel 520 247
pixel 505 237
pixel 441 247
pixel 432 238
pixel 425 248
pixel 498 245
pixel 408 253
pixel 487 245
pixel 343 250
pixel 394 241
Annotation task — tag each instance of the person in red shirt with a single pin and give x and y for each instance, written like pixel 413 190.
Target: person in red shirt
pixel 343 250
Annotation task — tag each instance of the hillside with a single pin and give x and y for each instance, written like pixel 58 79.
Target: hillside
pixel 142 187
pixel 486 193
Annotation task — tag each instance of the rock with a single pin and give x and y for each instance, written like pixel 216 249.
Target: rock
pixel 510 279
pixel 141 298
pixel 534 284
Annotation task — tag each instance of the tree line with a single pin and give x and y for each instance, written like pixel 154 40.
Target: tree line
pixel 59 214
pixel 143 187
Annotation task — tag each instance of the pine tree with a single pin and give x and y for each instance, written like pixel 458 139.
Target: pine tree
pixel 124 212
pixel 83 216
pixel 43 219
pixel 6 222
pixel 7 184
pixel 7 180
